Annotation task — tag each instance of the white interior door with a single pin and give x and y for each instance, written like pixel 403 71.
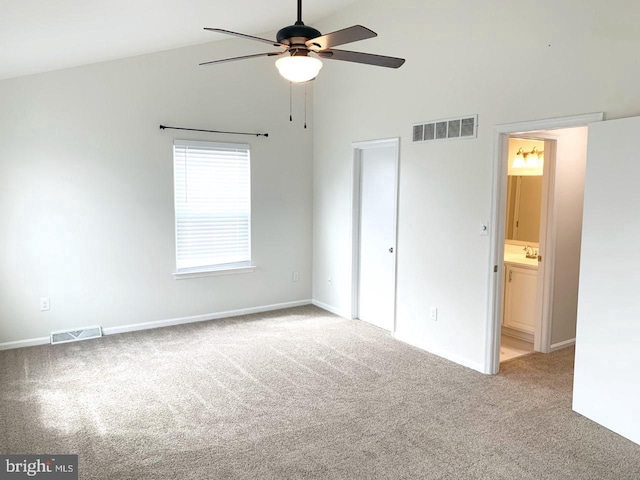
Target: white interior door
pixel 377 252
pixel 606 385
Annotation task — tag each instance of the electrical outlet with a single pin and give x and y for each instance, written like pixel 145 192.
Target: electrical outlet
pixel 295 277
pixel 44 304
pixel 433 313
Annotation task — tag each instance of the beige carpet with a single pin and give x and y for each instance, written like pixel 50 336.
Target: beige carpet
pixel 297 394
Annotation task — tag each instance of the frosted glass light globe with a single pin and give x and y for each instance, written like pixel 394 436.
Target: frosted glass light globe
pixel 298 69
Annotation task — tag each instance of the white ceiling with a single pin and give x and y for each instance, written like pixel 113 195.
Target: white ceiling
pixel 43 35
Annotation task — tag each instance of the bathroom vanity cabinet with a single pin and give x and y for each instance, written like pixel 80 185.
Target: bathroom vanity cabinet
pixel 520 297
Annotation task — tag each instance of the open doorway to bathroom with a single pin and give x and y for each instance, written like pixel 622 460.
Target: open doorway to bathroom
pixel 544 320
pixel 524 214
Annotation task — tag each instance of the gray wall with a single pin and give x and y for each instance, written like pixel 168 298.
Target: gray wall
pixel 506 61
pixel 86 190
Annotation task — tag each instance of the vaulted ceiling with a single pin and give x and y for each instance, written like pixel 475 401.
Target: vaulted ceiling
pixel 43 35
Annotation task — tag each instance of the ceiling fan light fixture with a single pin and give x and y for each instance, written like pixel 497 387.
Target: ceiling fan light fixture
pixel 298 68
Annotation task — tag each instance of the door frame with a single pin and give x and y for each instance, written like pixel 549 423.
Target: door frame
pixel 358 148
pixel 497 232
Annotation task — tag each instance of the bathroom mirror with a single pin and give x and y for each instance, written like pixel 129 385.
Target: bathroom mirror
pixel 524 196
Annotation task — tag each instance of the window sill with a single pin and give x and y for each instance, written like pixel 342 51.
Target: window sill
pixel 213 272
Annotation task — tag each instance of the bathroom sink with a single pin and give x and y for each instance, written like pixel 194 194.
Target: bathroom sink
pixel 520 258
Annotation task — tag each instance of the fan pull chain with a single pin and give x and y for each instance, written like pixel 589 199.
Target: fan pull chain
pixel 305 105
pixel 290 102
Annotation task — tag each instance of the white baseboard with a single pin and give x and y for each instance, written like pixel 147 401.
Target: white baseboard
pixel 561 345
pixel 331 309
pixel 31 342
pixel 465 362
pixel 165 323
pixel 512 332
pixel 202 318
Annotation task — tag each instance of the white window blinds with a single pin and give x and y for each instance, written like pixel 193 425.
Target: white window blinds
pixel 212 188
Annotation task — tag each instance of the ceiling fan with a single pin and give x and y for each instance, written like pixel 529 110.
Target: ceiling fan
pixel 304 44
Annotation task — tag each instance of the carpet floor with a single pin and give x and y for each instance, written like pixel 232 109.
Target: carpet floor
pixel 296 394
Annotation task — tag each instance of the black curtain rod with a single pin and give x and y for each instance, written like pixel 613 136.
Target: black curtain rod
pixel 163 127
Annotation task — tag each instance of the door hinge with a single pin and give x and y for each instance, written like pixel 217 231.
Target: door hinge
pixel 495 269
pixel 539 258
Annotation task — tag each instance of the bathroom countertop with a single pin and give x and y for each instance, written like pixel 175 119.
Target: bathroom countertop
pixel 520 259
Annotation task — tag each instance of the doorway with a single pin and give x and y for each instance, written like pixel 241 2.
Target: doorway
pixel 375 206
pixel 545 303
pixel 529 198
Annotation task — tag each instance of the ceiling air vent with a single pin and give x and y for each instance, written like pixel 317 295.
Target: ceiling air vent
pixel 75 335
pixel 446 129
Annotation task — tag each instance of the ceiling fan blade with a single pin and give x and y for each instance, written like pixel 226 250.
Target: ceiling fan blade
pixel 340 37
pixel 359 57
pixel 244 35
pixel 233 59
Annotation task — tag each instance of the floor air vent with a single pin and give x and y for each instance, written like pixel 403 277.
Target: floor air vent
pixel 75 335
pixel 446 129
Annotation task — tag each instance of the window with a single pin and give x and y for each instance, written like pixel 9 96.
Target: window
pixel 212 189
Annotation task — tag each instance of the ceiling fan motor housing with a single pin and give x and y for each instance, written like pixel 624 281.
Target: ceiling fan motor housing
pixel 287 34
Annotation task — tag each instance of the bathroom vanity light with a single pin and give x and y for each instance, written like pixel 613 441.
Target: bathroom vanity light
pixel 528 163
pixel 518 162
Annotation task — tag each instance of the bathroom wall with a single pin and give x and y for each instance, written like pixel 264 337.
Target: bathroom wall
pixel 571 159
